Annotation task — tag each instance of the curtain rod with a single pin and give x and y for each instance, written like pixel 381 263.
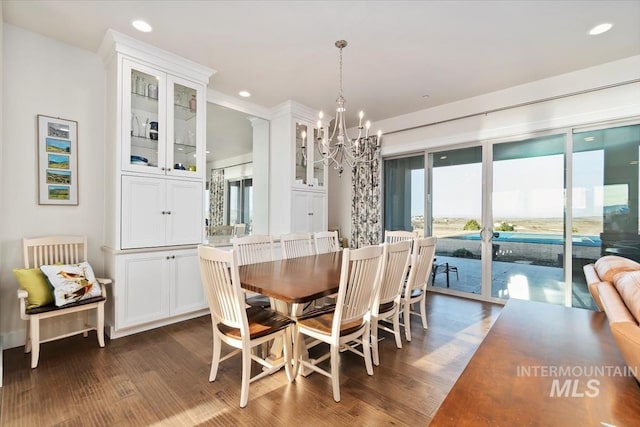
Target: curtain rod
pixel 523 104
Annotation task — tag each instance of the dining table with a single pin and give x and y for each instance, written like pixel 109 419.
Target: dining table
pixel 292 283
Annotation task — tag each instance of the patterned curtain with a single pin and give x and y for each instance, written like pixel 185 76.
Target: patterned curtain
pixel 366 199
pixel 216 198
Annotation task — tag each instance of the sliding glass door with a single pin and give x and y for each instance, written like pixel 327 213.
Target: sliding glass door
pixel 520 218
pixel 456 218
pixel 527 219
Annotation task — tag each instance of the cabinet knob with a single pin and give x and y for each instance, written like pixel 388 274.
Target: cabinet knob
pixel 163 213
pixel 163 168
pixel 310 213
pixel 168 212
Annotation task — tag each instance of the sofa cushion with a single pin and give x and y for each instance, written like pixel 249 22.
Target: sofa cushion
pixel 610 265
pixel 628 286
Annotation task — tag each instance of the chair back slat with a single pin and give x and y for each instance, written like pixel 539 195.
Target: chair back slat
pixel 253 249
pixel 295 245
pixel 221 282
pixel 394 273
pixel 326 241
pixel 424 250
pixel 359 279
pixel 54 250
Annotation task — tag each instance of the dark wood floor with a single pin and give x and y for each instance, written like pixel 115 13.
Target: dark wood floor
pixel 160 378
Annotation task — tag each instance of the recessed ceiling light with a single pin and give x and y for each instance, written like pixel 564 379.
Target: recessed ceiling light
pixel 141 26
pixel 244 94
pixel 601 28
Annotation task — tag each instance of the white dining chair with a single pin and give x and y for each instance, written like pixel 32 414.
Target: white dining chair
pixel 398 235
pixel 326 241
pixel 386 304
pixel 295 245
pixel 236 325
pixel 252 250
pixel 349 322
pixel 415 291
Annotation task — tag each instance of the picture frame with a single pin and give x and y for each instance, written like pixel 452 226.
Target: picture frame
pixel 57 161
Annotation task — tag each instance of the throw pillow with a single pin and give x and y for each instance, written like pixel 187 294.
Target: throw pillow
pixel 35 283
pixel 72 282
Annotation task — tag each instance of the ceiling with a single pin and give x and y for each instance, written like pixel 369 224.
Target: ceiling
pixel 402 56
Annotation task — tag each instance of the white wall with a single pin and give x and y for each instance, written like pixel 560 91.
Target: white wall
pixel 589 107
pixel 43 76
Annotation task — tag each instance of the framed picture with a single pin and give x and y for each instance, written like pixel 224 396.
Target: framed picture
pixel 57 161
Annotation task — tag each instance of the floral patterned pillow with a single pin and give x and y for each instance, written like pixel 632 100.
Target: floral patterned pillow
pixel 71 282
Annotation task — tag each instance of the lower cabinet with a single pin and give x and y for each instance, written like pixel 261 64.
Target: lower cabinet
pixel 309 211
pixel 152 289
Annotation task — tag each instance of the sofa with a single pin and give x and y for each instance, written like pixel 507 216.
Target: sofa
pixel 614 284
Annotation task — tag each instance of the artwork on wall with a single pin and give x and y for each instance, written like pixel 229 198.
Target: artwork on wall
pixel 57 161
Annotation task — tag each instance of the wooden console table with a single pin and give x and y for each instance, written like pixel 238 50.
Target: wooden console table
pixel 543 364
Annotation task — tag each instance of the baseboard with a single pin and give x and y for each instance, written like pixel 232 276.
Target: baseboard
pixel 112 333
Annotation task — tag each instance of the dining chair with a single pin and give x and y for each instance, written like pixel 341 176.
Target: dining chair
pixel 415 290
pixel 239 229
pixel 398 235
pixel 326 241
pixel 295 245
pixel 252 250
pixel 56 251
pixel 349 322
pixel 236 325
pixel 386 304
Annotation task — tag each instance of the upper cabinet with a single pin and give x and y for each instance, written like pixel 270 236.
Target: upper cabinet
pixel 163 122
pixel 309 166
pixel 155 152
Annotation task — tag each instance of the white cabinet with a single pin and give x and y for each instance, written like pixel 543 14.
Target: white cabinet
pixel 153 287
pixel 154 184
pixel 309 211
pixel 161 212
pixel 299 190
pixel 162 122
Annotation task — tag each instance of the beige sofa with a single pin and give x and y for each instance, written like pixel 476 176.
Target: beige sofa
pixel 614 284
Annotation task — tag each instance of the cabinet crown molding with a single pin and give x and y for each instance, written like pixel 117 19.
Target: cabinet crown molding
pixel 114 41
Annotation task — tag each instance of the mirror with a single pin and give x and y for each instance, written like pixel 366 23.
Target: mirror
pixel 236 199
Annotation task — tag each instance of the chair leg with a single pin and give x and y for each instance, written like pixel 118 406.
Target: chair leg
pixel 35 340
pixel 396 328
pixel 288 348
pixel 335 371
pixel 100 324
pixel 215 359
pixel 374 341
pixel 366 349
pixel 423 310
pixel 406 317
pixel 246 377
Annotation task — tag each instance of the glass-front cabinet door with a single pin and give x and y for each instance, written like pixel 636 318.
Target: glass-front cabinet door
pixel 162 123
pixel 184 129
pixel 143 119
pixel 309 168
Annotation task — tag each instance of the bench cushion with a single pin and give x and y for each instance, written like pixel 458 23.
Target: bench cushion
pixel 35 283
pixel 53 307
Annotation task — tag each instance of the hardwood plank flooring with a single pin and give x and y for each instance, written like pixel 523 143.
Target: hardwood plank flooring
pixel 160 378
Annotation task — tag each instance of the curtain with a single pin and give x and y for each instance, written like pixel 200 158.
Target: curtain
pixel 216 198
pixel 366 198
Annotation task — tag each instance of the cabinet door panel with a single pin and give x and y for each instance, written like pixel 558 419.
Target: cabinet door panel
pixel 144 289
pixel 188 293
pixel 143 118
pixel 301 212
pixel 143 204
pixel 186 221
pixel 318 208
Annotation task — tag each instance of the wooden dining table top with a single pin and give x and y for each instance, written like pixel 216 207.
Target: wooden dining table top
pixel 295 280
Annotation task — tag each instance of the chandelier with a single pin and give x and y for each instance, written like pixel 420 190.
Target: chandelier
pixel 338 149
